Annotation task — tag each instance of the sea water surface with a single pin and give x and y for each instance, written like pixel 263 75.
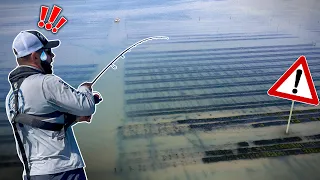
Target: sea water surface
pixel 169 103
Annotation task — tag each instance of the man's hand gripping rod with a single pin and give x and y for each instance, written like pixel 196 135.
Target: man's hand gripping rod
pixel 97 97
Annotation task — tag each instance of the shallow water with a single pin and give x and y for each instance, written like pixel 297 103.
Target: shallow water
pixel 220 60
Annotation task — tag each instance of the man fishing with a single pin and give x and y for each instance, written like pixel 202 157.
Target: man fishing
pixel 42 108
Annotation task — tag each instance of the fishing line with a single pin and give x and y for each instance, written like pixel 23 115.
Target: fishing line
pixel 113 66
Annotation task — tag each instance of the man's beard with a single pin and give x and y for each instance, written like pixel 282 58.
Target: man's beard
pixel 46 67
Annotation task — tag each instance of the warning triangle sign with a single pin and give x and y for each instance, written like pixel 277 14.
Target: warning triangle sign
pixel 296 84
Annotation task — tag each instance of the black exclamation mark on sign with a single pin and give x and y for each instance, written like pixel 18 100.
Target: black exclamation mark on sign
pixel 298 75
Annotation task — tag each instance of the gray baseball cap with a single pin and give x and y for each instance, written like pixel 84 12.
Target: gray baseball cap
pixel 27 42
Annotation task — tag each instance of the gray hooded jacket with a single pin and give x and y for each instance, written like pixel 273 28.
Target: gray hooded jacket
pixel 50 96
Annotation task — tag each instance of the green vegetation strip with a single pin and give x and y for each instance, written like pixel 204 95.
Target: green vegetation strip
pixel 277 147
pixel 268 151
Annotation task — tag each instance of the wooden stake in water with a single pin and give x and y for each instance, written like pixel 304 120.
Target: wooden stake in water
pixel 289 117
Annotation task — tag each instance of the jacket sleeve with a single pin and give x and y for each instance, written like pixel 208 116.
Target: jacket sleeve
pixel 79 102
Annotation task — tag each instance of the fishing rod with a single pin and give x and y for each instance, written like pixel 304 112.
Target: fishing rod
pixel 123 53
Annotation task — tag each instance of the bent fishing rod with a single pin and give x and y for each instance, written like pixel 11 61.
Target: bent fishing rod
pixel 111 64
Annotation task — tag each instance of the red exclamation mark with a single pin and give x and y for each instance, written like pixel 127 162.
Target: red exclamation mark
pixel 54 14
pixel 61 22
pixel 43 14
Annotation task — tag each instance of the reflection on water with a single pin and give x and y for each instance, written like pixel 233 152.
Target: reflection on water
pixel 192 107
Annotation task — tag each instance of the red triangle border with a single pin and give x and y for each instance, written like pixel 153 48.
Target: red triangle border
pixel 300 61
